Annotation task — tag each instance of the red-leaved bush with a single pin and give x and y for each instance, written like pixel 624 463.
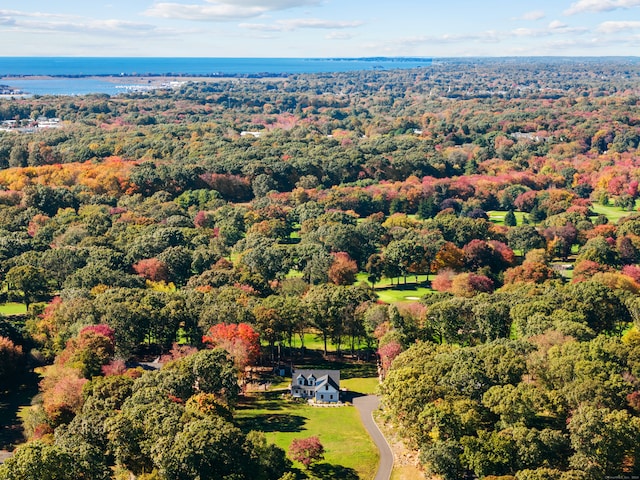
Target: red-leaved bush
pixel 307 451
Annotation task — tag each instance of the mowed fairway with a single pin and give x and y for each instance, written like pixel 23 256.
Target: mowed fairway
pixel 403 294
pixel 350 453
pixel 13 308
pixel 612 213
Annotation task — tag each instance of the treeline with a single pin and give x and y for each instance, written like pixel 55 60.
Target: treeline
pixel 547 406
pixel 148 220
pixel 173 423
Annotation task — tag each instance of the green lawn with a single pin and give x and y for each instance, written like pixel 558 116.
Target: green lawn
pixel 612 213
pixel 402 293
pixel 497 216
pixel 349 452
pixel 13 308
pixel 361 385
pixel 313 341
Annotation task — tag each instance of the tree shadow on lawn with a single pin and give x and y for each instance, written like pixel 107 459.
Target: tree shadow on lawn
pixel 327 471
pixel 347 369
pixel 262 400
pixel 279 422
pixel 11 433
pixel 348 396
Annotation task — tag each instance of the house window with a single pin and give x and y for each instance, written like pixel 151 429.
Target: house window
pixel 326 387
pixel 331 397
pixel 321 397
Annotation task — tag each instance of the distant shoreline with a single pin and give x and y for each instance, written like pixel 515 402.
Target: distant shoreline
pixel 145 76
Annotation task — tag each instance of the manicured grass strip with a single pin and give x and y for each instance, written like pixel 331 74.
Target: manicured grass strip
pixel 403 294
pixel 13 308
pixel 349 450
pixel 313 341
pixel 612 213
pixel 497 216
pixel 361 385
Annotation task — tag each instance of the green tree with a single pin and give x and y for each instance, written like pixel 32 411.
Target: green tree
pixel 30 281
pixel 510 219
pixel 40 461
pixel 603 439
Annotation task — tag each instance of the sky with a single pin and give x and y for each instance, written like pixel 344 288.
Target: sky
pixel 319 28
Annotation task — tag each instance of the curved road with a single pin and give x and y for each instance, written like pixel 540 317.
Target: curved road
pixel 366 405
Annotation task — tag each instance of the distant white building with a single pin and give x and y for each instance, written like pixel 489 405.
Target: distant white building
pixel 252 134
pixel 320 385
pixel 44 122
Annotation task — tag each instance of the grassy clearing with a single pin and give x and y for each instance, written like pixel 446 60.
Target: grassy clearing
pixel 612 213
pixel 313 341
pixel 497 216
pixel 403 293
pixel 282 421
pixel 361 385
pixel 398 291
pixel 13 308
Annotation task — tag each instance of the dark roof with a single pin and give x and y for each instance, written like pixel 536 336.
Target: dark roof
pixel 326 378
pixel 334 375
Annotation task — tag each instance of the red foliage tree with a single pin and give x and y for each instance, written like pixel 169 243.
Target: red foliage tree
pixel 307 451
pixel 632 271
pixel 115 367
pixel 61 394
pixel 449 257
pixel 102 329
pixel 586 269
pixel 470 284
pixel 152 269
pixel 89 351
pixel 240 340
pixel 203 220
pixel 528 272
pixel 388 353
pixel 443 281
pixel 343 270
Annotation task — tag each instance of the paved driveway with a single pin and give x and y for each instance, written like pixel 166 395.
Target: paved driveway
pixel 366 405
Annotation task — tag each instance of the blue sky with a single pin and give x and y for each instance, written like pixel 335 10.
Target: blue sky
pixel 319 28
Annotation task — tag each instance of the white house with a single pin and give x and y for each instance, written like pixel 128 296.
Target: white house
pixel 321 385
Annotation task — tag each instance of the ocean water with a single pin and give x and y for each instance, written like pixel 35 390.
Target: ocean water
pixel 70 73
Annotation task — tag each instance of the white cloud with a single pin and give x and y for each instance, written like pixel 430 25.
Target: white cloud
pixel 50 22
pixel 17 13
pixel 37 22
pixel 216 13
pixel 490 36
pixel 298 23
pixel 600 6
pixel 554 29
pixel 561 28
pixel 223 10
pixel 531 16
pixel 556 25
pixel 338 36
pixel 269 4
pixel 617 26
pixel 528 32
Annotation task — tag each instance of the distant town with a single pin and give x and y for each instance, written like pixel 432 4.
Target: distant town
pixel 30 125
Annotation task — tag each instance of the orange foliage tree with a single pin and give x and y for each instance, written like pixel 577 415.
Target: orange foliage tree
pixel 239 339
